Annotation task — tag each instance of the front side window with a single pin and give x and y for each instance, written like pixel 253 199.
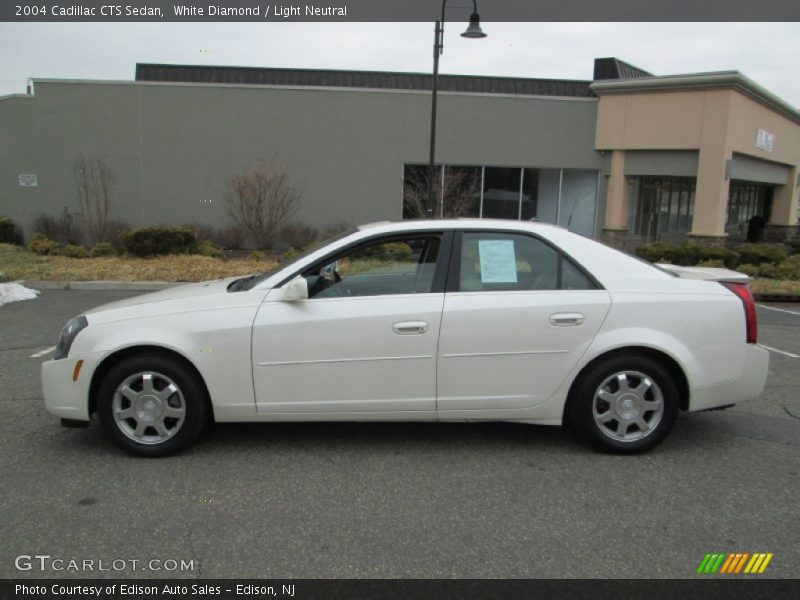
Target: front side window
pixel 513 262
pixel 384 267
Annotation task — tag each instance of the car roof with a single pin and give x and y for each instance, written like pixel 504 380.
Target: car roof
pixel 459 223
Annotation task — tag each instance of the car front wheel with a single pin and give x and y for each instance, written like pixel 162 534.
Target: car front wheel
pixel 624 405
pixel 151 406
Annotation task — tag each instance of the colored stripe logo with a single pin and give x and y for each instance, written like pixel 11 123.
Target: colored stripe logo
pixel 734 563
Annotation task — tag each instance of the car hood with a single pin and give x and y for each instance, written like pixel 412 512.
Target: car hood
pixel 180 292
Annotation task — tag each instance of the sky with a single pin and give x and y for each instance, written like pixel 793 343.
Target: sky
pixel 765 52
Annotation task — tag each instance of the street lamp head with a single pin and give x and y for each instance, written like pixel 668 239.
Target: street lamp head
pixel 474 30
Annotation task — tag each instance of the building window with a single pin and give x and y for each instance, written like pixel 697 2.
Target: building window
pixel 664 207
pixel 457 191
pixel 501 193
pixel 745 201
pixel 567 197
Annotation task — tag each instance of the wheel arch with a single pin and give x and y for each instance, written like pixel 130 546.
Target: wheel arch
pixel 664 359
pixel 116 357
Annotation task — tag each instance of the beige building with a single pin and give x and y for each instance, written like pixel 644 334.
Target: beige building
pixel 700 156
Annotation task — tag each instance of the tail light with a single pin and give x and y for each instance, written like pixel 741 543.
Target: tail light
pixel 741 290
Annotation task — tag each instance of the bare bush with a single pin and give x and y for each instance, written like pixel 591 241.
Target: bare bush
pixel 455 195
pixel 117 230
pixel 64 229
pixel 231 237
pixel 335 228
pixel 96 186
pixel 261 199
pixel 298 235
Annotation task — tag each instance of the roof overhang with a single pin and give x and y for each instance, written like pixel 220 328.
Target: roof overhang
pixel 700 81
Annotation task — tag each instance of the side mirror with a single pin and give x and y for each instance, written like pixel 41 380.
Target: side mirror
pixel 295 290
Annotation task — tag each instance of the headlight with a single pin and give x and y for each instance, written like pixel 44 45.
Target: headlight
pixel 71 329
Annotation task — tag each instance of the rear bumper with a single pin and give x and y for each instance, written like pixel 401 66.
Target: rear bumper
pixel 746 387
pixel 64 397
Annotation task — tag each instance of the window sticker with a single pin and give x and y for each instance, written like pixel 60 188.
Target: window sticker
pixel 498 261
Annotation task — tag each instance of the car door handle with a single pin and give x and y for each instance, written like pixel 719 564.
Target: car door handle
pixel 566 319
pixel 410 327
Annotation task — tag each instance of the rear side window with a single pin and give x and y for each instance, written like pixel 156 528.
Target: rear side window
pixel 515 262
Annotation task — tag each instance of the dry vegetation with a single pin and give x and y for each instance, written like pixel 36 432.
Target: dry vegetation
pixel 16 263
pixel 774 286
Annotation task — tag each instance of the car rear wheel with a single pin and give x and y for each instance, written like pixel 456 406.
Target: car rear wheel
pixel 624 405
pixel 151 405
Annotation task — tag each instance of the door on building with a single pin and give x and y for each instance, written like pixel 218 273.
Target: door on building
pixel 664 208
pixel 749 208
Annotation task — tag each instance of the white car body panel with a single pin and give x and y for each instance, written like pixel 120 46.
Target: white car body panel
pixel 264 359
pixel 499 350
pixel 342 355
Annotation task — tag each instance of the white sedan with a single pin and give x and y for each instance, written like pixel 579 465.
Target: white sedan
pixel 444 320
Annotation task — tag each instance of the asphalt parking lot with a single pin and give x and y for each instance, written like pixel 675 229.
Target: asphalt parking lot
pixel 396 500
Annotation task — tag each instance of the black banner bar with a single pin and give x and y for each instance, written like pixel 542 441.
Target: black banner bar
pixel 711 588
pixel 395 10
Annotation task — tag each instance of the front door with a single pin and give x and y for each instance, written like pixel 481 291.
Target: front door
pixel 364 343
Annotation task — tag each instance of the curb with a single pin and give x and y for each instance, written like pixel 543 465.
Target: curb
pixel 121 286
pixel 777 297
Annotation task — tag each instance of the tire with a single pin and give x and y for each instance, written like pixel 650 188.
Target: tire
pixel 624 405
pixel 152 405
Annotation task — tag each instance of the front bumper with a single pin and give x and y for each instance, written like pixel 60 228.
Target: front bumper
pixel 64 397
pixel 747 386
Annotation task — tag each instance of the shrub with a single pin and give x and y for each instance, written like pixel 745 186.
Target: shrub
pixel 756 254
pixel 74 251
pixel 687 254
pixel 793 244
pixel 231 237
pixel 768 270
pixel 202 233
pixel 257 255
pixel 9 232
pixel 298 235
pixel 789 268
pixel 65 229
pixel 711 262
pixel 117 230
pixel 152 241
pixel 42 246
pixel 288 254
pixel 103 249
pixel 208 248
pixel 748 269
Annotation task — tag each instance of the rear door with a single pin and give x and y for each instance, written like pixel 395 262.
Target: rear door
pixel 518 315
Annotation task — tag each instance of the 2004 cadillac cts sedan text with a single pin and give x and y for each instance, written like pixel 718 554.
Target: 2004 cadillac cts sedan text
pixel 447 320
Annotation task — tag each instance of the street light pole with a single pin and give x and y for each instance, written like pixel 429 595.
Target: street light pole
pixel 473 31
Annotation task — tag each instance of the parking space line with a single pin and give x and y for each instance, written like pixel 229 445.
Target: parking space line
pixel 42 352
pixel 771 349
pixel 783 310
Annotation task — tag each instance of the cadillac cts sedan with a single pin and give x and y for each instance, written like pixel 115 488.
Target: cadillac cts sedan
pixel 446 320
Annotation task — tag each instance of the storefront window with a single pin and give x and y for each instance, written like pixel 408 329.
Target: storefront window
pixel 501 193
pixel 567 197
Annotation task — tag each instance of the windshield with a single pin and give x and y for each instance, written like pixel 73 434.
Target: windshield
pixel 253 282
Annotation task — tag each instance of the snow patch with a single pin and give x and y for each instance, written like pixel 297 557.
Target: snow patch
pixel 14 292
